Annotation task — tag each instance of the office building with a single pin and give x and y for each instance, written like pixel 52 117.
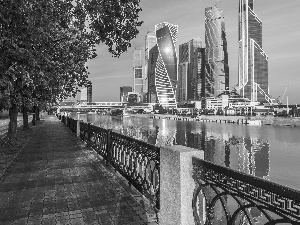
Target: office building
pixel 217 70
pixel 89 93
pixel 199 73
pixel 86 94
pixel 124 92
pixel 188 70
pixel 137 71
pixel 150 42
pixel 166 64
pixel 153 56
pixel 253 61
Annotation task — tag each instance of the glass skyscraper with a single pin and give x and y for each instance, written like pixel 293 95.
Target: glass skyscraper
pixel 150 42
pixel 166 64
pixel 137 71
pixel 187 72
pixel 217 70
pixel 253 61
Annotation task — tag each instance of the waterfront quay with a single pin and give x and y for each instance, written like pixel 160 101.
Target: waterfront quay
pixel 57 180
pixel 72 172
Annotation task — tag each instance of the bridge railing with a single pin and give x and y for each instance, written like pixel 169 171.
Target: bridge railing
pixel 135 160
pixel 222 194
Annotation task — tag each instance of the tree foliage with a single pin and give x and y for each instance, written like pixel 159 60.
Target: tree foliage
pixel 45 44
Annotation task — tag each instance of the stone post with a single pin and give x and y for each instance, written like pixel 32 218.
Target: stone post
pixel 177 185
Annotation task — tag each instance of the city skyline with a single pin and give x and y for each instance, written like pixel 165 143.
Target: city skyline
pixel 279 35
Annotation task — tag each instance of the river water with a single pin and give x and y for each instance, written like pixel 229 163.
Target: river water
pixel 269 152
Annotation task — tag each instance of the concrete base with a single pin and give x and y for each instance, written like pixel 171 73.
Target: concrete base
pixel 177 184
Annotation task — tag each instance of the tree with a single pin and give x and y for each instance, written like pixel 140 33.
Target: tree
pixel 45 44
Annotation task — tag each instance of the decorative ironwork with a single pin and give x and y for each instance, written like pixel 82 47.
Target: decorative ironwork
pixel 83 133
pixel 138 162
pixel 222 194
pixel 99 140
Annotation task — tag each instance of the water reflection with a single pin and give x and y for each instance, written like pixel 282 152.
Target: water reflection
pixel 243 148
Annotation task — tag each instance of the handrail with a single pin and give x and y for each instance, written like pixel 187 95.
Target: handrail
pixel 219 187
pixel 139 163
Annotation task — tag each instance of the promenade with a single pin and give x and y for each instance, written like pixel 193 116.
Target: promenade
pixel 57 180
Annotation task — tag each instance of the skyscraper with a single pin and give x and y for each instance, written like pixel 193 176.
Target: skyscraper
pixel 217 70
pixel 86 94
pixel 137 71
pixel 150 42
pixel 253 61
pixel 153 56
pixel 199 73
pixel 187 75
pixel 166 64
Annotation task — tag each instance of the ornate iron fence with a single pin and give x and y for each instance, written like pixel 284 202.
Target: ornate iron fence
pixel 225 196
pixel 139 163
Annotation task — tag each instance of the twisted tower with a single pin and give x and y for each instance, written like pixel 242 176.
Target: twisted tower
pixel 166 64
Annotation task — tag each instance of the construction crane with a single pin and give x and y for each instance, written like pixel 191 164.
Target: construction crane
pixel 279 101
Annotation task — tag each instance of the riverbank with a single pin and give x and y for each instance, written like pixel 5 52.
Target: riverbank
pixel 256 120
pixel 279 121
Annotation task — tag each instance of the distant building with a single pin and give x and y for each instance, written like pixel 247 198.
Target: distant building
pixel 217 70
pixel 124 92
pixel 150 42
pixel 86 94
pixel 89 93
pixel 153 56
pixel 253 61
pixel 137 71
pixel 166 64
pixel 199 73
pixel 187 70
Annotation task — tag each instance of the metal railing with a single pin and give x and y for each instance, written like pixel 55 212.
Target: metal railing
pixel 225 196
pixel 135 160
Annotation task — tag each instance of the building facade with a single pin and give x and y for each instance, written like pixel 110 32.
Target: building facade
pixel 124 92
pixel 138 71
pixel 150 42
pixel 153 56
pixel 253 61
pixel 187 70
pixel 217 69
pixel 199 72
pixel 166 64
pixel 86 94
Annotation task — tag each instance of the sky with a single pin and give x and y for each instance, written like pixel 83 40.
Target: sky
pixel 281 42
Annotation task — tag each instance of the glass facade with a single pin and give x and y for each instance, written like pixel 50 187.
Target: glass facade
pixel 217 70
pixel 137 71
pixel 253 61
pixel 166 64
pixel 150 42
pixel 187 70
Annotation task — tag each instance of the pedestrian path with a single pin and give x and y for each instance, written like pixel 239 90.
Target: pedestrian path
pixel 57 180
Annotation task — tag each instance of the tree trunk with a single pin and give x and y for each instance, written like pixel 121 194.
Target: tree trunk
pixel 25 118
pixel 37 113
pixel 13 117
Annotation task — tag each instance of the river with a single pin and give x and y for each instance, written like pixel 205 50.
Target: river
pixel 269 152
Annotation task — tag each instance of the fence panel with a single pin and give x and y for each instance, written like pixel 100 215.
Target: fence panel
pixel 139 163
pixel 223 194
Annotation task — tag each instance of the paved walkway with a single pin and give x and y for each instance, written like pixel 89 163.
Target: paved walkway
pixel 57 180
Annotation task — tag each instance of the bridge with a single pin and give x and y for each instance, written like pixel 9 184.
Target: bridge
pixel 99 106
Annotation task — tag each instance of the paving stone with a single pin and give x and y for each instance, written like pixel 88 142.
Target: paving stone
pixel 55 181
